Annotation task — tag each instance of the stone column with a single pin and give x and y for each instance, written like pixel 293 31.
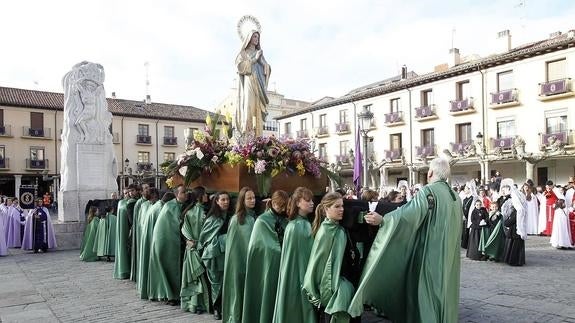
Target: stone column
pixel 486 177
pixel 17 183
pixel 530 171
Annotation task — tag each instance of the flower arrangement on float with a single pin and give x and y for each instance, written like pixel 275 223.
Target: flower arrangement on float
pixel 265 157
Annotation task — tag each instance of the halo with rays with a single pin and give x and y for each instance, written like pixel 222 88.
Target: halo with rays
pixel 246 24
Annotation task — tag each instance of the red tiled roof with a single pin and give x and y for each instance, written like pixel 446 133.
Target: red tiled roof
pixel 55 101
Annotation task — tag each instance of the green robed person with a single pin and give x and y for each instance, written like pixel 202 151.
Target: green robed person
pixel 412 270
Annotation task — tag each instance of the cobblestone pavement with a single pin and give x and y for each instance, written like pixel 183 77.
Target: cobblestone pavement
pixel 57 287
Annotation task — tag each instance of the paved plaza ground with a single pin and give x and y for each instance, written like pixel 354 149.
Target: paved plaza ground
pixel 58 287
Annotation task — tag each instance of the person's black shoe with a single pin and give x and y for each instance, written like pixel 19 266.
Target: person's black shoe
pixel 217 315
pixel 199 311
pixel 35 251
pixel 173 302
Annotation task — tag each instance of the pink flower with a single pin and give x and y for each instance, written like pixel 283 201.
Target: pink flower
pixel 260 166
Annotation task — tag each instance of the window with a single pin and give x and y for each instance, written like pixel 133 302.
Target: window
pixel 395 141
pixel 303 124
pixel 506 129
pixel 394 105
pixel 322 151
pixel 1 117
pixel 143 157
pixel 504 81
pixel 463 90
pixel 143 130
pixel 323 120
pixel 2 152
pixel 556 70
pixel 556 124
pixel 36 120
pixel 169 156
pixel 463 132
pixel 427 137
pixel 342 116
pixel 168 131
pixel 343 147
pixel 426 98
pixel 36 153
pixel 288 128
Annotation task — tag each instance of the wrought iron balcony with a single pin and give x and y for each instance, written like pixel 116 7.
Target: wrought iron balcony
pixel 144 167
pixel 394 117
pixel 6 130
pixel 302 134
pixel 461 105
pixel 322 131
pixel 393 154
pixel 548 139
pixel 36 132
pixel 271 126
pixel 5 163
pixel 141 139
pixel 342 128
pixel 425 112
pixel 503 143
pixel 170 141
pixel 36 164
pixel 505 96
pixel 555 87
pixel 343 159
pixel 424 151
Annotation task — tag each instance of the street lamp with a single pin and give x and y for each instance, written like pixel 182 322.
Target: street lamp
pixel 365 117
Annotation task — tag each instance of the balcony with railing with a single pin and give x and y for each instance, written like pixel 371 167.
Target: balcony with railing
pixel 342 159
pixel 144 167
pixel 342 128
pixel 502 143
pixel 394 119
pixel 4 163
pixel 425 113
pixel 36 133
pixel 6 130
pixel 302 134
pixel 35 164
pixel 322 132
pixel 271 126
pixel 460 147
pixel 425 151
pixel 143 140
pixel 555 89
pixel 464 106
pixel 170 141
pixel 504 99
pixel 115 138
pixel 559 138
pixel 393 154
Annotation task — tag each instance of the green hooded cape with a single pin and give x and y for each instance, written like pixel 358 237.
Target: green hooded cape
pixel 148 221
pixel 262 269
pixel 212 246
pixel 122 255
pixel 87 252
pixel 165 272
pixel 194 292
pixel 135 238
pixel 495 245
pixel 412 270
pixel 105 238
pixel 323 283
pixel 292 305
pixel 237 241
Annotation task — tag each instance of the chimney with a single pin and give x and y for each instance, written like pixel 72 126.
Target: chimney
pixel 555 34
pixel 404 72
pixel 454 57
pixel 503 41
pixel 148 99
pixel 113 95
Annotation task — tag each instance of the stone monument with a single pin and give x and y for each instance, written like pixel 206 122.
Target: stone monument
pixel 89 167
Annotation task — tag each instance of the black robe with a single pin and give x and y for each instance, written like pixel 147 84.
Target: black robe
pixel 514 253
pixel 475 233
pixel 464 230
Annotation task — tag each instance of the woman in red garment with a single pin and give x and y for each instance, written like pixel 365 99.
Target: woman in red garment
pixel 551 198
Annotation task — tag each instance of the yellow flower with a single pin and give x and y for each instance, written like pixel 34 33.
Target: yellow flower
pixel 250 163
pixel 208 120
pixel 170 183
pixel 275 171
pixel 228 117
pixel 300 168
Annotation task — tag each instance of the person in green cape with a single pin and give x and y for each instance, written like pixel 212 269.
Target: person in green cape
pixel 148 219
pixel 123 223
pixel 292 305
pixel 495 244
pixel 263 260
pixel 121 245
pixel 237 240
pixel 194 295
pixel 165 271
pixel 88 240
pixel 413 268
pixel 106 225
pixel 136 231
pixel 334 262
pixel 212 244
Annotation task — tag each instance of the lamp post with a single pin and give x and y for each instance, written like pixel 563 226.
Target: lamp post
pixel 365 117
pixel 482 163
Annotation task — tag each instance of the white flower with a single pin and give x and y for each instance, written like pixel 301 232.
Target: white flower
pixel 183 170
pixel 199 153
pixel 214 159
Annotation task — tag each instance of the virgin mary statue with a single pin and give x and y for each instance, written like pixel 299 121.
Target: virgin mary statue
pixel 254 74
